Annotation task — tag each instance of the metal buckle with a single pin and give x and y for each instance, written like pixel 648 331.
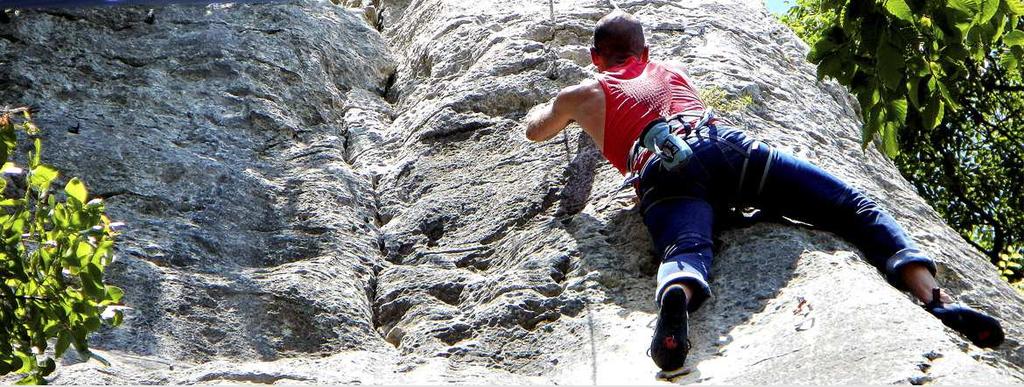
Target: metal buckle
pixel 630 179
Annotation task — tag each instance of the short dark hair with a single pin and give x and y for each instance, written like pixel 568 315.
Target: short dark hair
pixel 617 36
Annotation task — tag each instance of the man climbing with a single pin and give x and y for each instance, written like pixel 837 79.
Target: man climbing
pixel 687 168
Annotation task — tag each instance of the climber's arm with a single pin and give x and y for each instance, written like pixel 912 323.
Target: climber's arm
pixel 545 121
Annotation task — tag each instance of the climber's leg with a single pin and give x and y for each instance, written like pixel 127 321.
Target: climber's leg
pixel 920 282
pixel 679 218
pixel 676 209
pixel 681 231
pixel 800 190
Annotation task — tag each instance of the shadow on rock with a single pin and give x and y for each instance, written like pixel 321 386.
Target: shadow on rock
pixel 579 176
pixel 750 268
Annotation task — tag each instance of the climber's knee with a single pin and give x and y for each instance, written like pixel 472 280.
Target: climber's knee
pixel 850 206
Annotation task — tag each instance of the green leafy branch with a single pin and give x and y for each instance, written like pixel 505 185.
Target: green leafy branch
pixel 900 56
pixel 941 91
pixel 54 251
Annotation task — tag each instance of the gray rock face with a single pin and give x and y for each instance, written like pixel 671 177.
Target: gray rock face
pixel 218 134
pixel 343 193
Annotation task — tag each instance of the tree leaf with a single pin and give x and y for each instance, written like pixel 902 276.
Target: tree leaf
pixel 898 110
pixel 30 380
pixel 114 293
pixel 872 124
pixel 821 49
pixel 900 10
pixel 89 280
pixel 1015 7
pixel 103 252
pixel 1008 62
pixel 10 168
pixel 28 362
pixel 890 63
pixel 97 275
pixel 999 29
pixel 829 67
pixel 47 367
pixel 37 144
pixel 969 7
pixel 93 323
pixel 914 90
pixel 42 175
pixel 78 336
pixel 84 253
pixel 76 189
pixel 988 10
pixel 7 140
pixel 51 328
pixel 890 143
pixel 63 341
pixel 975 43
pixel 945 94
pixel 13 203
pixel 933 113
pixel 1014 38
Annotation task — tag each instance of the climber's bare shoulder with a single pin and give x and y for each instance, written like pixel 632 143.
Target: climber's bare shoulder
pixel 582 103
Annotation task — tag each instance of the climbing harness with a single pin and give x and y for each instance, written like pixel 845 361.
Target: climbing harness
pixel 665 140
pixel 746 172
pixel 683 126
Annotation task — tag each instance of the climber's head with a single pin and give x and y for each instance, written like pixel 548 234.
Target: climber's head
pixel 617 36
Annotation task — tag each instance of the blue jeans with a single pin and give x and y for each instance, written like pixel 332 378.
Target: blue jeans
pixel 728 169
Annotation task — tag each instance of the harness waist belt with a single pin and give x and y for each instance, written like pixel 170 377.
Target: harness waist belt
pixel 640 155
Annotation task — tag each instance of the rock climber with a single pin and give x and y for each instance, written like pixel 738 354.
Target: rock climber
pixel 688 168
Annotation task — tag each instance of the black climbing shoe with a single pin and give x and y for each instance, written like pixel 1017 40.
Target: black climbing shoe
pixel 983 330
pixel 669 346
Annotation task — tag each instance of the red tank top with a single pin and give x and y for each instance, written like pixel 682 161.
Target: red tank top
pixel 635 94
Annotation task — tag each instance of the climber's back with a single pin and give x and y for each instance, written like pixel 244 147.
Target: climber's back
pixel 630 93
pixel 638 93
